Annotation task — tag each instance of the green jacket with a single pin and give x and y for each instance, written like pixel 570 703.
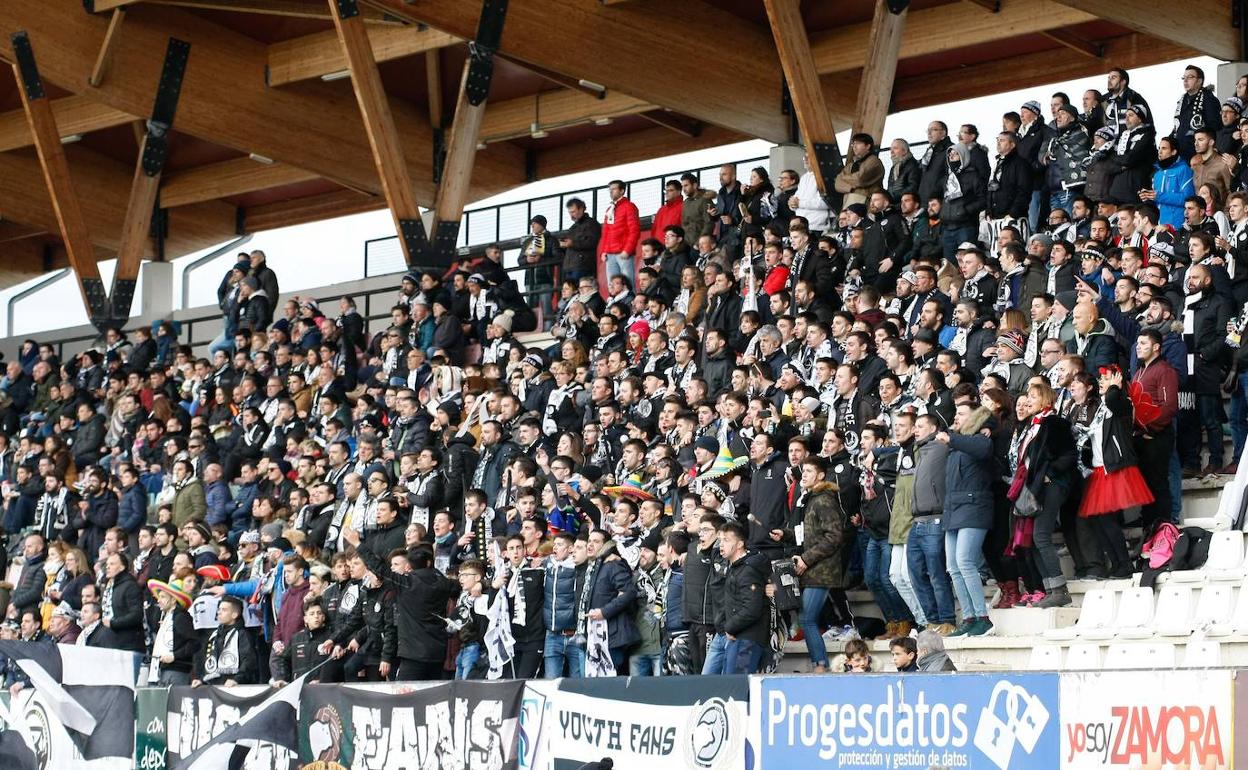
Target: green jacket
pixel 189 503
pixel 903 501
pixel 822 538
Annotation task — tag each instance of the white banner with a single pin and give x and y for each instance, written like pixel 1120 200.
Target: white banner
pixel 1147 720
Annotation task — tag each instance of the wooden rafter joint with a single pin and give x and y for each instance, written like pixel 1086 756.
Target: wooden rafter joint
pixel 1075 43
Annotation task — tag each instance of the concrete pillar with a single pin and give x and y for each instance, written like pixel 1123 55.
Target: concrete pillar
pixel 784 156
pixel 156 289
pixel 1228 73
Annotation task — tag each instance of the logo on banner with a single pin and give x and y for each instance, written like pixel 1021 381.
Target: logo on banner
pixel 40 731
pixel 1017 719
pixel 711 742
pixel 532 711
pixel 325 737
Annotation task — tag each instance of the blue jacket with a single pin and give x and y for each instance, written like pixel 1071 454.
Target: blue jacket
pixel 559 605
pixel 220 505
pixel 132 510
pixel 1172 185
pixel 968 477
pixel 272 603
pixel 240 514
pixel 612 590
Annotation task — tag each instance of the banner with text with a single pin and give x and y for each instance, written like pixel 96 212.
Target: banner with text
pixel 1134 719
pixel 198 714
pixel 460 725
pixel 151 710
pixel 887 721
pixel 688 722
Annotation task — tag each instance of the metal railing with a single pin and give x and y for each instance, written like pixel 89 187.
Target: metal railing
pixel 507 223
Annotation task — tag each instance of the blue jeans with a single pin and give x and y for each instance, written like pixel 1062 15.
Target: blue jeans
pixel 813 599
pixel 878 562
pixel 620 265
pixel 467 659
pixel 222 342
pixel 716 657
pixel 558 651
pixel 645 665
pixel 741 656
pixel 926 559
pixel 964 549
pixel 1061 200
pixel 952 236
pixel 1033 211
pixel 1209 405
pixel 1239 417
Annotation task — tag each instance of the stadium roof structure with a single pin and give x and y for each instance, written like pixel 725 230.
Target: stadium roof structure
pixel 182 123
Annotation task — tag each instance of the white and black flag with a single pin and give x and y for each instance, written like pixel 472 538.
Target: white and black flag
pixel 73 691
pixel 272 723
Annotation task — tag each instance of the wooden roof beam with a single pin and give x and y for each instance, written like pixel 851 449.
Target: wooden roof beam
pixel 1076 43
pixel 742 93
pixel 1203 25
pixel 552 110
pixel 379 127
pixel 679 123
pixel 875 92
pixel 227 179
pixel 1128 51
pixel 74 115
pixel 307 125
pixel 296 9
pixel 320 54
pixel 813 118
pixel 944 28
pixel 47 138
pixel 461 149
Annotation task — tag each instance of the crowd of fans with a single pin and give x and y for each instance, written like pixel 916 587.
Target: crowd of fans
pixel 770 397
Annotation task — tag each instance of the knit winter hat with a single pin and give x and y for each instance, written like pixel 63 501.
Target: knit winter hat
pixel 1070 110
pixel 1033 106
pixel 503 320
pixel 1106 133
pixel 1014 340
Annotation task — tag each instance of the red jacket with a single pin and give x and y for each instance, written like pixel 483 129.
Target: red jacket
pixel 667 215
pixel 621 228
pixel 776 280
pixel 1160 384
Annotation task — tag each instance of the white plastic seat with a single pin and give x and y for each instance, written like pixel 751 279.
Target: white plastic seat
pixel 1173 615
pixel 1214 606
pixel 1226 557
pixel 1095 614
pixel 1145 655
pixel 1045 657
pixel 1225 560
pixel 1083 657
pixel 1135 613
pixel 1237 622
pixel 1203 655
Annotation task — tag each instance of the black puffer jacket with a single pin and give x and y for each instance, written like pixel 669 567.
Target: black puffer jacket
pixel 743 612
pixel 703 584
pixel 125 612
pixel 418 609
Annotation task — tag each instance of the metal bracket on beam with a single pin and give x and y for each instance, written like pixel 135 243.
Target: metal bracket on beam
pixel 896 7
pixel 97 301
pixel 439 154
pixel 123 299
pixel 347 8
pixel 481 49
pixel 828 156
pixel 442 248
pixel 415 240
pixel 29 73
pixel 156 148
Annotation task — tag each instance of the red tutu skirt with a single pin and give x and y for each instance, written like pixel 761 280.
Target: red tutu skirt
pixel 1110 492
